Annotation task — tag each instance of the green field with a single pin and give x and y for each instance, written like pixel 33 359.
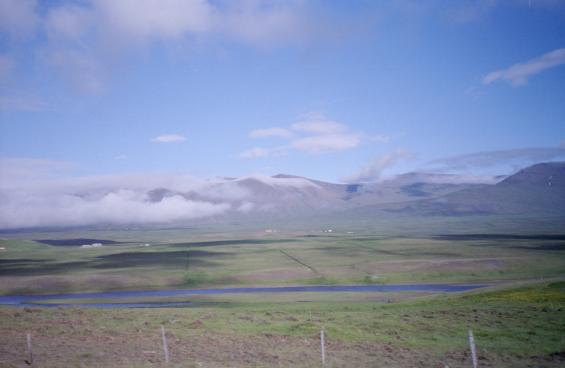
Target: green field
pixel 519 321
pixel 188 259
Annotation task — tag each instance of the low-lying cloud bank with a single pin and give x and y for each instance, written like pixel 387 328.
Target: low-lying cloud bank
pixel 31 197
pixel 24 209
pixel 42 193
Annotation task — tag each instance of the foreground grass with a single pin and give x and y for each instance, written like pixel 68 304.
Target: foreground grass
pixel 514 327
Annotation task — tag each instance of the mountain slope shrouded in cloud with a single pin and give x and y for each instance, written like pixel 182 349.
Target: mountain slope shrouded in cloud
pixel 535 190
pixel 165 199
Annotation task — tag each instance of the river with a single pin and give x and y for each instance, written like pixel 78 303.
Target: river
pixel 112 296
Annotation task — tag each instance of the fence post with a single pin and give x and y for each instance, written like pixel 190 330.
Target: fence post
pixel 165 347
pixel 323 348
pixel 473 349
pixel 29 350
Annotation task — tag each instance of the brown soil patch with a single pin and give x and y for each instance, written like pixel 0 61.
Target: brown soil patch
pixel 84 338
pixel 94 338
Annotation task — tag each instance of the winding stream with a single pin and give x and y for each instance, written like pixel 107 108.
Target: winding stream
pixel 32 300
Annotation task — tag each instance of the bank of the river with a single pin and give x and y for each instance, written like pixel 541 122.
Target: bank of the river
pixel 111 299
pixel 521 326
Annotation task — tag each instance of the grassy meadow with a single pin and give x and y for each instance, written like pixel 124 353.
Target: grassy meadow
pixel 169 259
pixel 518 320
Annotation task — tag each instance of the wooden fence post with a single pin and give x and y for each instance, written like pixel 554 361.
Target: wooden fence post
pixel 29 350
pixel 165 347
pixel 473 349
pixel 323 348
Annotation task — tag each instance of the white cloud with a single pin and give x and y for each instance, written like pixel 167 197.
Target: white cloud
pixel 222 190
pixel 260 152
pixel 255 152
pixel 518 74
pixel 517 157
pixel 327 143
pixel 69 22
pixel 271 132
pixel 121 157
pixel 75 48
pixel 323 135
pixel 435 178
pixel 20 210
pixel 265 23
pixel 374 170
pixel 18 17
pixel 83 40
pixel 84 71
pixel 169 138
pixel 149 19
pixel 316 134
pixel 246 207
pixel 36 192
pixel 321 126
pixel 45 193
pixel 296 182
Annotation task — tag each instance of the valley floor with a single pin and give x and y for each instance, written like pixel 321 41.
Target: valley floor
pixel 518 321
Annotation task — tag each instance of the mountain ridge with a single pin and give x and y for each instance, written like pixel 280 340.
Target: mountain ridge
pixel 414 193
pixel 538 191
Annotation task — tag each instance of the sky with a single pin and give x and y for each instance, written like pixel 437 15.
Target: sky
pixel 342 91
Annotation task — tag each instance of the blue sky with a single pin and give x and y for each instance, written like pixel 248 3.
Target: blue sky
pixel 333 90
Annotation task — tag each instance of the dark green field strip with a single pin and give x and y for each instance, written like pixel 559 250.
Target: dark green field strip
pixel 178 259
pixel 78 242
pixel 499 237
pixel 219 243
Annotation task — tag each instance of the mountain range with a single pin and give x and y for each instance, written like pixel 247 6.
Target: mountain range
pixel 538 189
pixel 536 192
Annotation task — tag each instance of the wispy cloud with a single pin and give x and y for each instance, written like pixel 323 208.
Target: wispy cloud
pixel 518 74
pixel 18 18
pixel 327 143
pixel 319 125
pixel 82 69
pixel 262 152
pixel 255 152
pixel 271 132
pixel 373 171
pixel 315 134
pixel 516 157
pixel 169 138
pixel 83 40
